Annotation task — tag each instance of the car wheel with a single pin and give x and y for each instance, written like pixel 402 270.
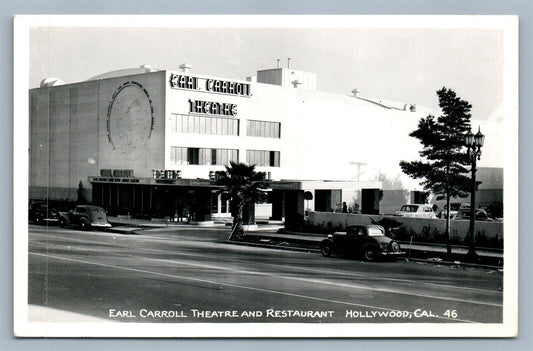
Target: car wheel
pixel 326 249
pixel 62 223
pixel 85 225
pixel 370 252
pixel 37 221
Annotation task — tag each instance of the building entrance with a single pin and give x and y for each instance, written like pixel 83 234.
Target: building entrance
pixel 175 203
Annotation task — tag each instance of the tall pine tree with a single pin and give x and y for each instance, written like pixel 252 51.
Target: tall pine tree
pixel 443 167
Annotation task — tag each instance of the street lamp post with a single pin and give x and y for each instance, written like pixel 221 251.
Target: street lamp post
pixel 474 144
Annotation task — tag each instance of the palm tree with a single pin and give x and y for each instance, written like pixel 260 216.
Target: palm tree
pixel 244 187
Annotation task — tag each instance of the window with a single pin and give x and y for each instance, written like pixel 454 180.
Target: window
pixel 204 125
pixel 263 158
pixel 375 232
pixel 193 156
pixel 213 156
pixel 214 202
pixel 202 156
pixel 263 129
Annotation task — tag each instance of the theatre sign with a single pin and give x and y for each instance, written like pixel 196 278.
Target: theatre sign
pixel 178 81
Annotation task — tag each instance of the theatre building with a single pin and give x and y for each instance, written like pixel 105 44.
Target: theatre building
pixel 147 142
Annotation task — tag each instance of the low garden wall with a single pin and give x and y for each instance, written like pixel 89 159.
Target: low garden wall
pixel 488 234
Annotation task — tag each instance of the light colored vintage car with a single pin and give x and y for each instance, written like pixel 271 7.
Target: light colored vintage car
pixel 464 214
pixel 454 208
pixel 416 211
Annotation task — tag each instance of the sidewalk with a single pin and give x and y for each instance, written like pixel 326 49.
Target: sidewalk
pixel 269 235
pixel 405 245
pixel 126 225
pixel 426 252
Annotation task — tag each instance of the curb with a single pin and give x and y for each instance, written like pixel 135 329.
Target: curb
pixel 406 259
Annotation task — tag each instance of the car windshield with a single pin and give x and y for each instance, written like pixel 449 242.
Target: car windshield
pixel 375 232
pixel 455 207
pixel 409 208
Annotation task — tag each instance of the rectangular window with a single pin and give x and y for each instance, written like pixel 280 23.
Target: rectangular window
pixel 252 128
pixel 173 123
pixel 264 129
pixel 179 127
pixel 225 127
pixel 219 156
pixel 213 156
pixel 207 125
pixel 263 158
pixel 190 124
pixel 193 155
pixel 225 158
pixel 262 161
pixel 204 125
pixel 202 156
pixel 178 155
pixel 197 124
pixel 223 204
pixel 219 126
pixel 173 155
pixel 214 202
pixel 214 125
pixel 231 123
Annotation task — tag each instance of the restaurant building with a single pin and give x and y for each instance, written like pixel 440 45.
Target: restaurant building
pixel 147 142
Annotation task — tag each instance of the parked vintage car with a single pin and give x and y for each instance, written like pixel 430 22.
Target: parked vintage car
pixel 366 241
pixel 454 208
pixel 464 214
pixel 416 211
pixel 85 217
pixel 40 213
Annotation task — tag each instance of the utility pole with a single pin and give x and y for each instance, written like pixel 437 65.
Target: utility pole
pixel 358 164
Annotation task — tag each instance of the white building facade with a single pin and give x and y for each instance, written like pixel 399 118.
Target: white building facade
pixel 148 142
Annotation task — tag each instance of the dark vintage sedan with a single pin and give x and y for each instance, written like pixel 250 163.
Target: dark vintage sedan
pixel 40 213
pixel 366 241
pixel 86 217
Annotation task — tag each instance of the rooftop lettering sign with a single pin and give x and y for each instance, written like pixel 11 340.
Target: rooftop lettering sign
pixel 117 173
pixel 212 108
pixel 166 174
pixel 179 81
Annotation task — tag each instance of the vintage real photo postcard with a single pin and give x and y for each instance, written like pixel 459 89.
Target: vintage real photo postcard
pixel 266 176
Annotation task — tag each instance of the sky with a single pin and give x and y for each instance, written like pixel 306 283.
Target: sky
pixel 398 64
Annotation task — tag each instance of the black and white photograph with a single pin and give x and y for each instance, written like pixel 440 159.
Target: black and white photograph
pixel 265 176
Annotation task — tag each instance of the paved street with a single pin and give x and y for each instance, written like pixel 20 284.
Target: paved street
pixel 192 275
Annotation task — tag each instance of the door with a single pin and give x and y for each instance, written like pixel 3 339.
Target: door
pixel 370 201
